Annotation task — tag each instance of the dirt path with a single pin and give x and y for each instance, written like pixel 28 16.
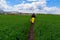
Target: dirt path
pixel 31 33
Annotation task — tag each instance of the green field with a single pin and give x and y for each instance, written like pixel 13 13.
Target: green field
pixel 47 27
pixel 12 26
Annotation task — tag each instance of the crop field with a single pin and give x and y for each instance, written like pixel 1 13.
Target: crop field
pixel 14 26
pixel 46 27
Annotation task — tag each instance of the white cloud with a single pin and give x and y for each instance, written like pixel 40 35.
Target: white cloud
pixel 37 6
pixel 53 10
pixel 30 7
pixel 4 5
pixel 32 0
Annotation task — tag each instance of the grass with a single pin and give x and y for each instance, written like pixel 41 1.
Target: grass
pixel 47 27
pixel 12 26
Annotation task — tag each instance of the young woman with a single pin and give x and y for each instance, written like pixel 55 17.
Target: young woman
pixel 33 18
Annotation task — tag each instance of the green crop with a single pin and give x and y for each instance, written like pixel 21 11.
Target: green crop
pixel 14 26
pixel 46 27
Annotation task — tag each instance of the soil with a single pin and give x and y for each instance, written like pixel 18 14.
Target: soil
pixel 31 33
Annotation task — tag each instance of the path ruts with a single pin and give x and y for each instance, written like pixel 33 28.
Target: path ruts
pixel 31 33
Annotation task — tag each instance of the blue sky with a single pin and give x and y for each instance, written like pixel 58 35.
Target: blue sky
pixel 53 3
pixel 36 6
pixel 15 2
pixel 49 2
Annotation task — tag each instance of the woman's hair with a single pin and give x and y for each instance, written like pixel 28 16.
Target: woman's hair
pixel 33 15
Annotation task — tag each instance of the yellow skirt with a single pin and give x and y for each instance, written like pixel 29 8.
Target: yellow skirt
pixel 33 20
